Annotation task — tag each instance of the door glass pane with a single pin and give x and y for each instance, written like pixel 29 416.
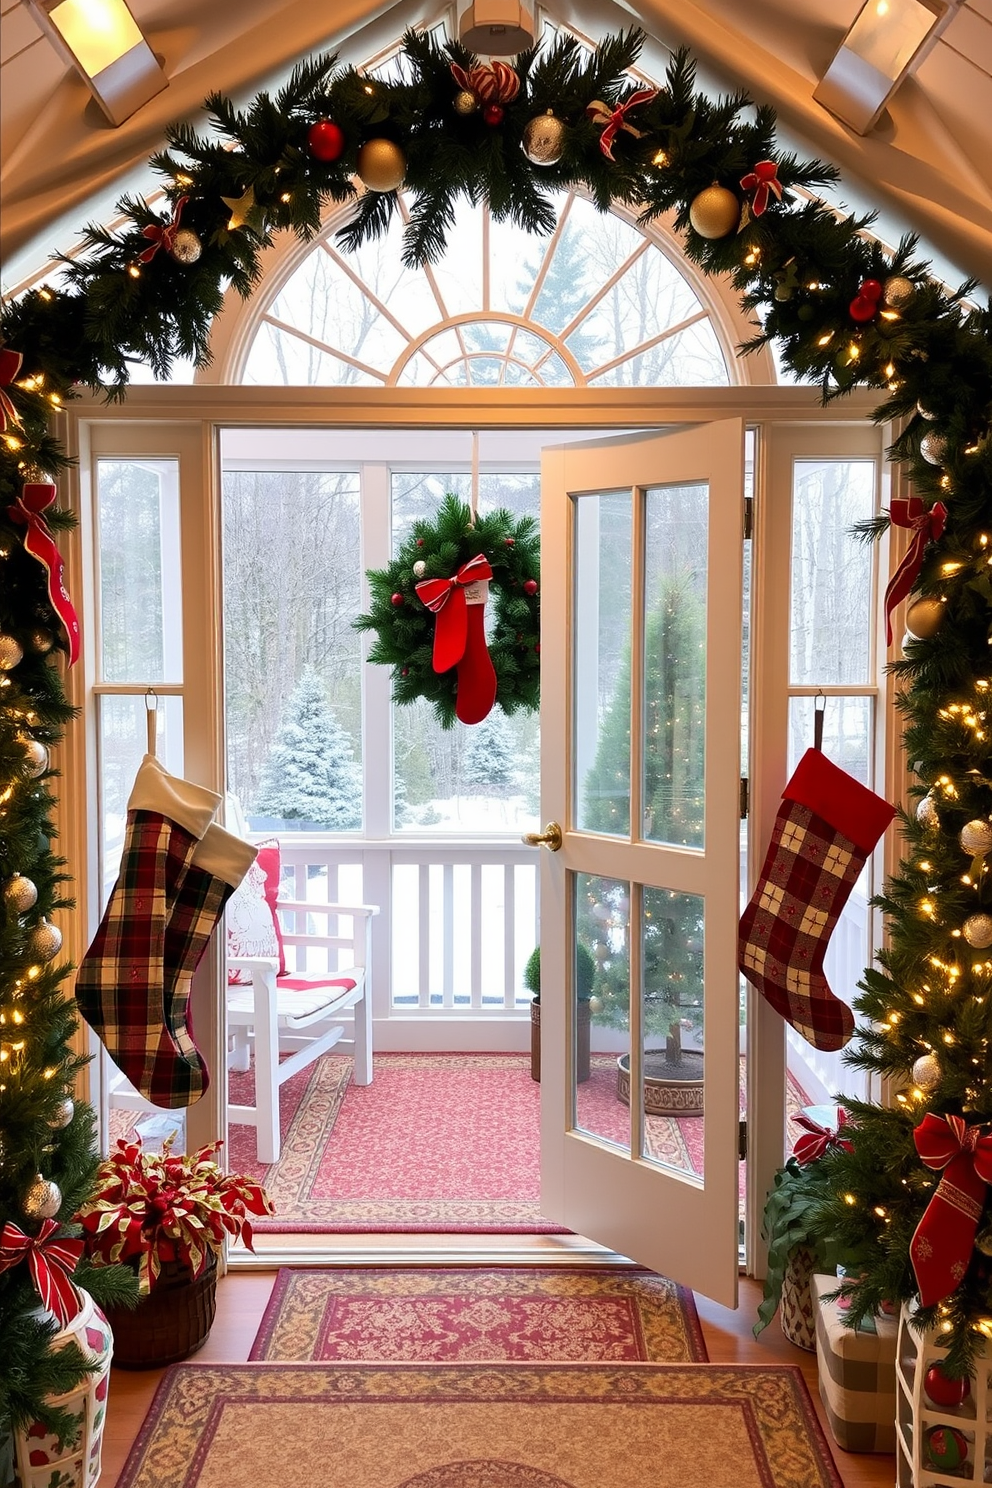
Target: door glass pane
pixel 141 636
pixel 602 919
pixel 601 662
pixel 672 1023
pixel 675 546
pixel 831 572
pixel 122 744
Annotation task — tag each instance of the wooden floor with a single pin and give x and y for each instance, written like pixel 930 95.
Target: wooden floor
pixel 241 1299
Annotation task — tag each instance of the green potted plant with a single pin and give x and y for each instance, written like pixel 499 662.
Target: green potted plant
pixel 799 1243
pixel 166 1216
pixel 585 971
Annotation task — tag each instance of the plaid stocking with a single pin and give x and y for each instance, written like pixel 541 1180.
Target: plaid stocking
pixel 120 985
pixel 826 826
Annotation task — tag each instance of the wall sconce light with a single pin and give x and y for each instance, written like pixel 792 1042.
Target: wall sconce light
pixel 103 41
pixel 496 28
pixel 887 41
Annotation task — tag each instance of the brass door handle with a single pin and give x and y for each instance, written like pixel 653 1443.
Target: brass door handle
pixel 551 837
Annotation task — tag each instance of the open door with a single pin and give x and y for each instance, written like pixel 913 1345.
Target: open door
pixel 640 887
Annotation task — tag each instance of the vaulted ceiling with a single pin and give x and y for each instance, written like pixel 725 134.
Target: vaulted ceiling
pixel 927 165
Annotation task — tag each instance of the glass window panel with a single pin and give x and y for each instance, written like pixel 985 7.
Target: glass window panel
pixel 848 729
pixel 601 662
pixel 602 924
pixel 672 1020
pixel 140 636
pixel 675 547
pixel 122 744
pixel 831 572
pixel 323 301
pixel 278 358
pixel 292 657
pixel 693 358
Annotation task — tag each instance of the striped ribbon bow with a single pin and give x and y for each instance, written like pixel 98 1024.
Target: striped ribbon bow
pixel 446 597
pixel 50 1262
pixel 162 234
pixel 817 1139
pixel 762 181
pixel 611 121
pixel 928 524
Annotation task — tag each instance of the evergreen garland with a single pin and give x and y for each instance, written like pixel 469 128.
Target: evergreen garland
pixel 801 270
pixel 404 626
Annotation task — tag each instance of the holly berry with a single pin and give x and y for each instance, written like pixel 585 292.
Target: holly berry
pixel 420 542
pixel 942 1389
pixel 493 114
pixel 397 600
pixel 510 541
pixel 325 140
pixel 530 586
pixel 405 672
pixel 537 648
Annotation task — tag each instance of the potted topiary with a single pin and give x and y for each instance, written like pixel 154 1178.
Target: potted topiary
pixel 585 971
pixel 166 1217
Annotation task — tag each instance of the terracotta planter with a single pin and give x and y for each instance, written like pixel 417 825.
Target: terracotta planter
pixel 171 1323
pixel 42 1459
pixel 583 1034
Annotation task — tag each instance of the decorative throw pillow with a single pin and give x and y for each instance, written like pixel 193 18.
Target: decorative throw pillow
pixel 252 920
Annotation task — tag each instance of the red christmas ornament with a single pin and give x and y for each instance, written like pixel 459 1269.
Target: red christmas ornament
pixel 420 542
pixel 397 600
pixel 946 1447
pixel 864 306
pixel 537 648
pixel 405 672
pixel 325 140
pixel 943 1390
pixel 530 586
pixel 492 114
pixel 510 541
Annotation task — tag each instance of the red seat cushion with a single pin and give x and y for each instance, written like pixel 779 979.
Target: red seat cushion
pixel 253 927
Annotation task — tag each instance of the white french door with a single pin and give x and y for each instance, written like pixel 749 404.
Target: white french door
pixel 640 769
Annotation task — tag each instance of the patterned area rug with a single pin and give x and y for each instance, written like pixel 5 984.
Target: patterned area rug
pixel 481 1426
pixel 417 1314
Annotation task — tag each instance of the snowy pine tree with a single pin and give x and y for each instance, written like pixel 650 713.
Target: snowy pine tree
pixel 310 775
pixel 489 759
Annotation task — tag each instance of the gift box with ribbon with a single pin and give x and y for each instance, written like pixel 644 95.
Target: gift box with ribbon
pixel 857 1370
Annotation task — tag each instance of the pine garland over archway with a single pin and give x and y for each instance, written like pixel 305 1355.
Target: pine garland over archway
pixel 843 311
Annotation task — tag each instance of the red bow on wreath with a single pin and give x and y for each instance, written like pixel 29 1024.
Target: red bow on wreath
pixel 39 542
pixel 762 180
pixel 941 1247
pixel 50 1262
pixel 10 365
pixel 928 524
pixel 460 635
pixel 817 1139
pixel 493 82
pixel 611 121
pixel 162 234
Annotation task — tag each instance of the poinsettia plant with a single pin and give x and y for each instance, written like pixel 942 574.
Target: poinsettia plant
pixel 156 1206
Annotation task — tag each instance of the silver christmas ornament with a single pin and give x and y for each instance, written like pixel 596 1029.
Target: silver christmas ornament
pixel 933 448
pixel 976 837
pixel 419 568
pixel 898 291
pixel 977 931
pixel 925 412
pixel 19 894
pixel 543 139
pixel 10 653
pixel 45 940
pixel 43 1199
pixel 186 246
pixel 465 103
pixel 36 756
pixel 926 1073
pixel 62 1115
pixel 927 814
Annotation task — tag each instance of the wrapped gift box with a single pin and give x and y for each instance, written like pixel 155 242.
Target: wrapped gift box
pixel 857 1369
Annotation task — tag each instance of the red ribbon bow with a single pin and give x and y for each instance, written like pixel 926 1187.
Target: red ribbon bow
pixel 612 121
pixel 10 365
pixel 162 234
pixel 446 597
pixel 817 1139
pixel 909 511
pixel 762 180
pixel 492 82
pixel 51 1263
pixel 39 542
pixel 941 1247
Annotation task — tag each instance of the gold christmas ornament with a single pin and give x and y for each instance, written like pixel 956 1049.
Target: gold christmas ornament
pixel 898 291
pixel 543 139
pixel 43 1199
pixel 926 1073
pixel 925 412
pixel 976 837
pixel 62 1115
pixel 927 814
pixel 977 931
pixel 419 568
pixel 465 103
pixel 45 940
pixel 186 246
pixel 20 894
pixel 10 653
pixel 35 756
pixel 381 165
pixel 933 447
pixel 42 641
pixel 925 617
pixel 715 212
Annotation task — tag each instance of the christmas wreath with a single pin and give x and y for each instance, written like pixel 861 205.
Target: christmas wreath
pixel 429 611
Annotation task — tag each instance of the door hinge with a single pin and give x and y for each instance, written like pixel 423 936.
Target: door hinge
pixel 745 799
pixel 748 517
pixel 742 1140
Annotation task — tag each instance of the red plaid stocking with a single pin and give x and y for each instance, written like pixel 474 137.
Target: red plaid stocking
pixel 120 985
pixel 826 826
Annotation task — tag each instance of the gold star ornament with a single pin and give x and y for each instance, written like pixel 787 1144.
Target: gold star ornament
pixel 245 212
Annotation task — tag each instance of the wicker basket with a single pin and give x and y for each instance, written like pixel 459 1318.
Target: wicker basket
pixel 797 1309
pixel 171 1323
